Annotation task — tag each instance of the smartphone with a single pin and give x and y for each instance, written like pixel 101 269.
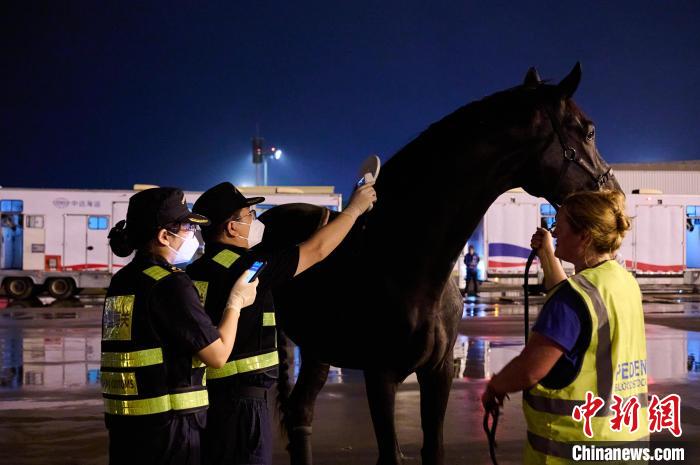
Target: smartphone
pixel 364 179
pixel 255 270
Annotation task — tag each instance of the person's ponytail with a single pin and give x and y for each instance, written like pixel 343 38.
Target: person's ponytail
pixel 119 240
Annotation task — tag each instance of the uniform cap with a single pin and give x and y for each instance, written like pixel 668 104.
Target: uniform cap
pixel 158 207
pixel 221 201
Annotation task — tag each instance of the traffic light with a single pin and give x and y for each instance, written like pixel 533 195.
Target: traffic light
pixel 258 143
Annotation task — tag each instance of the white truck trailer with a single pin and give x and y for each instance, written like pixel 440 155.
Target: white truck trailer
pixel 663 245
pixel 57 238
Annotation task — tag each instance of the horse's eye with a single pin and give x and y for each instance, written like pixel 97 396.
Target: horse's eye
pixel 590 135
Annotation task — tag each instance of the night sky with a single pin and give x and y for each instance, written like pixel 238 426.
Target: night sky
pixel 107 94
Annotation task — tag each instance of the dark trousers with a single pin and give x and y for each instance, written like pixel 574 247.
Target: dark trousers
pixel 175 443
pixel 238 430
pixel 471 276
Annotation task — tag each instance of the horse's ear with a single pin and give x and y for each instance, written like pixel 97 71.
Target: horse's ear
pixel 532 78
pixel 569 84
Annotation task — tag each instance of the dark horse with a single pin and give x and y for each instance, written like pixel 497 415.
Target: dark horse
pixel 384 302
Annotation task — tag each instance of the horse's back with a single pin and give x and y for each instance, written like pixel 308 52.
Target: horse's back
pixel 290 224
pixel 343 309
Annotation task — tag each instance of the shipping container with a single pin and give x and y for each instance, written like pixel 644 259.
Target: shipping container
pixel 57 238
pixel 664 241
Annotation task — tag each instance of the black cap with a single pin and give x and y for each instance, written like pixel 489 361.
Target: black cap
pixel 221 201
pixel 158 207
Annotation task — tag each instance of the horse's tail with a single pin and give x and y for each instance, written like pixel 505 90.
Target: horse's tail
pixel 284 384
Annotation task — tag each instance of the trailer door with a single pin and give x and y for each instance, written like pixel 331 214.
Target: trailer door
pixel 659 239
pixel 75 242
pixel 34 243
pixel 11 234
pixel 509 227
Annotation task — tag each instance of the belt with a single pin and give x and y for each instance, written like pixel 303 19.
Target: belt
pixel 250 391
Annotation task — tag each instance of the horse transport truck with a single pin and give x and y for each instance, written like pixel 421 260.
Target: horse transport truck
pixel 56 239
pixel 663 246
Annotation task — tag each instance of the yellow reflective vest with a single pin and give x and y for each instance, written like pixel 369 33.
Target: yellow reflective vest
pixel 255 349
pixel 133 371
pixel 614 363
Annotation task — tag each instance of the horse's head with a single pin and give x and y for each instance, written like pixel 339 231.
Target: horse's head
pixel 564 157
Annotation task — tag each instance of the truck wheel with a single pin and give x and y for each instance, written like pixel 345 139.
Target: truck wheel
pixel 18 288
pixel 60 288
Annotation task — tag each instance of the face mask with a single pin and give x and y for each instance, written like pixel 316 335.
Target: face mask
pixel 187 249
pixel 255 233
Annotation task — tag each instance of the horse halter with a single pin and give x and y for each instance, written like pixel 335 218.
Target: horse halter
pixel 570 155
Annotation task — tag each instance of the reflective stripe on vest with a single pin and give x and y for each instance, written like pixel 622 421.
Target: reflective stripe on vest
pixel 179 401
pixel 566 406
pixel 117 318
pixel 156 272
pixel 120 383
pixel 226 258
pixel 564 449
pixel 140 358
pixel 613 301
pixel 244 365
pixel 202 287
pixel 269 319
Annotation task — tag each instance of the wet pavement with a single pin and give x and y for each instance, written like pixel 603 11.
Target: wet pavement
pixel 50 404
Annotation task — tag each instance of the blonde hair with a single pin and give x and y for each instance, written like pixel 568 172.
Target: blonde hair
pixel 602 215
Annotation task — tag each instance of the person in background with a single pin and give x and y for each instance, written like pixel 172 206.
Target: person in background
pixel 589 331
pixel 156 334
pixel 471 261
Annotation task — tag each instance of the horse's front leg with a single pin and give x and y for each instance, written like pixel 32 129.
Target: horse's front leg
pixel 381 393
pixel 435 386
pixel 300 412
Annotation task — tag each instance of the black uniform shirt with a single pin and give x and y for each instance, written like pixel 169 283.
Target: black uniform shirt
pixel 281 267
pixel 179 318
pixel 176 316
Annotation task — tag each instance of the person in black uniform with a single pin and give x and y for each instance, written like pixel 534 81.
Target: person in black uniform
pixel 238 426
pixel 156 334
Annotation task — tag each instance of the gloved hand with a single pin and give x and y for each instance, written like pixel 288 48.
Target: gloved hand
pixel 362 199
pixel 242 293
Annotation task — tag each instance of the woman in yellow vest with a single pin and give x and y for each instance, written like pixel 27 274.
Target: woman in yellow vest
pixel 588 350
pixel 156 334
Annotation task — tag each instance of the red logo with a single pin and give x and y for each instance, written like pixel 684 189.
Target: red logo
pixel 665 414
pixel 586 411
pixel 625 413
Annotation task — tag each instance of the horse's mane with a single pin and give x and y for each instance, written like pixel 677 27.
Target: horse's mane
pixel 477 117
pixel 491 113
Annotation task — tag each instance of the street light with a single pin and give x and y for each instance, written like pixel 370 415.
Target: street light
pixel 273 153
pixel 261 156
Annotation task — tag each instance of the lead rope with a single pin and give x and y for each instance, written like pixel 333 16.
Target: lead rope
pixel 526 291
pixel 493 410
pixel 491 431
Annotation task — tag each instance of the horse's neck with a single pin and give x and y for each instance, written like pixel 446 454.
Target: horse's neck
pixel 429 205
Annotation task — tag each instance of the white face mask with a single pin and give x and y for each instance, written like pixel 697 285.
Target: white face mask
pixel 187 249
pixel 255 233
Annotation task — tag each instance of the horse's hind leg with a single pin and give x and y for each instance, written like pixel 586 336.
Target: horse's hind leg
pixel 435 386
pixel 300 411
pixel 381 393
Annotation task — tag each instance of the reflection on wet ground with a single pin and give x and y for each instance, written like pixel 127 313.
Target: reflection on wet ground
pixel 52 348
pixel 51 412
